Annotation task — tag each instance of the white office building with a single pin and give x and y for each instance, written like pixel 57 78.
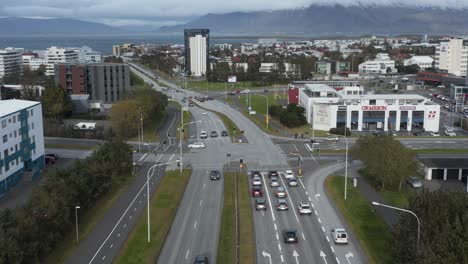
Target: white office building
pixel 377 67
pixel 57 55
pixel 424 62
pixel 328 108
pixel 10 61
pixel 36 63
pixel 22 138
pixel 452 56
pixel 88 55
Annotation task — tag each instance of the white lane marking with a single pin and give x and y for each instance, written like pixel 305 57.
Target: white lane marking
pixel 134 209
pixel 142 157
pixel 276 228
pixel 204 186
pixel 303 186
pixel 277 237
pixel 201 201
pixel 289 198
pixel 323 229
pixel 195 225
pixel 332 249
pixel 282 259
pixel 263 213
pixel 130 217
pixel 118 235
pixel 303 237
pixel 310 200
pixel 125 226
pixel 320 221
pixel 328 239
pixel 296 148
pixel 308 147
pixel 307 193
pixel 111 246
pixel 337 260
pixel 279 246
pixel 315 211
pixel 140 201
pixel 269 200
pixel 171 157
pixel 186 255
pixel 103 258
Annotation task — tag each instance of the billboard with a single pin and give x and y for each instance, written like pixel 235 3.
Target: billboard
pixel 232 79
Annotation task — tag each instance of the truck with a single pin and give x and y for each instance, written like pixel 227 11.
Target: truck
pixel 85 126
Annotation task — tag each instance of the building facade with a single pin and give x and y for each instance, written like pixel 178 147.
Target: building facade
pixel 22 138
pixel 424 62
pixel 11 61
pixel 104 83
pixel 56 55
pixel 377 66
pixel 452 56
pixel 88 55
pixel 197 44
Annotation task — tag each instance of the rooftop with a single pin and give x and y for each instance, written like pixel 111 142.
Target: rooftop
pixel 8 107
pixel 445 163
pixel 384 96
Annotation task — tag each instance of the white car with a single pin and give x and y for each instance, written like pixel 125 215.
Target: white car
pixel 203 135
pixel 340 236
pixel 196 145
pixel 450 133
pixel 304 208
pixel 204 113
pixel 288 174
pixel 333 139
pixel 274 182
pixel 292 182
pixel 435 134
pixel 256 181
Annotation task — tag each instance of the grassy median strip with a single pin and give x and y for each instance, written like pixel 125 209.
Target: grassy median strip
pixel 368 226
pixel 227 236
pixel 441 151
pixel 164 205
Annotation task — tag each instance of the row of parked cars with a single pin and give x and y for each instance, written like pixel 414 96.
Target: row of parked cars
pixel 304 208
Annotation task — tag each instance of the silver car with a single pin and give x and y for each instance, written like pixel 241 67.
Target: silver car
pixel 414 182
pixel 274 182
pixel 280 192
pixel 282 205
pixel 292 182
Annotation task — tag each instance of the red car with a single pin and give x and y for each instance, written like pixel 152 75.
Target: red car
pixel 49 160
pixel 257 191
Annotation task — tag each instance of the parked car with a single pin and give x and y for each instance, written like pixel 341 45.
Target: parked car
pixel 49 160
pixel 450 133
pixel 191 104
pixel 340 236
pixel 224 133
pixel 292 182
pixel 280 192
pixel 282 205
pixel 257 181
pixel 274 182
pixel 201 260
pixel 53 155
pixel 215 175
pixel 290 236
pixel 196 145
pixel 414 182
pixel 260 204
pixel 203 135
pixel 213 134
pixel 289 174
pixel 257 191
pixel 434 134
pixel 304 208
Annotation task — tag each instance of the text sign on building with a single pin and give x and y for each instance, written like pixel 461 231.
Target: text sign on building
pixel 342 108
pixel 232 79
pixel 374 108
pixel 407 108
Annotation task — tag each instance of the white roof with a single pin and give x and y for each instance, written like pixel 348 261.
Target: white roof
pixel 426 59
pixel 383 96
pixel 8 107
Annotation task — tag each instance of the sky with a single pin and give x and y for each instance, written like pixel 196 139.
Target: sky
pixel 155 13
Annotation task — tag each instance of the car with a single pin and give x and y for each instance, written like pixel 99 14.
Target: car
pixel 49 160
pixel 340 236
pixel 224 133
pixel 414 182
pixel 200 259
pixel 450 133
pixel 282 205
pixel 191 104
pixel 196 145
pixel 272 173
pixel 254 174
pixel 434 134
pixel 256 181
pixel 304 208
pixel 204 113
pixel 274 182
pixel 53 155
pixel 257 191
pixel 203 135
pixel 333 138
pixel 288 174
pixel 215 175
pixel 213 134
pixel 280 192
pixel 292 182
pixel 260 204
pixel 290 236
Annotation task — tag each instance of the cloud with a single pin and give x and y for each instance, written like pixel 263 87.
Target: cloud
pixel 161 12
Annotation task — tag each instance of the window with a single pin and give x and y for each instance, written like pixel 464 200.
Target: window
pixel 11 135
pixel 32 125
pixel 14 119
pixel 5 138
pixel 16 147
pixel 9 120
pixel 15 133
pixel 372 102
pixel 34 139
pixel 32 113
pixel 4 123
pixel 401 102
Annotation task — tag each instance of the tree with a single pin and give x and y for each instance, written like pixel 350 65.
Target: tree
pixel 387 162
pixel 125 117
pixel 56 102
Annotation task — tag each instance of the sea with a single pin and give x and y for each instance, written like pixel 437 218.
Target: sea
pixel 101 43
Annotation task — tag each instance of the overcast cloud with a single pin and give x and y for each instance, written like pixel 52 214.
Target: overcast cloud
pixel 168 12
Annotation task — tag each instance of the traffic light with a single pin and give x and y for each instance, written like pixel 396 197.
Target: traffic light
pixel 241 163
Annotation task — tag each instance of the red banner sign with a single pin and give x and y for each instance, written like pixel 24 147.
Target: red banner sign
pixel 374 108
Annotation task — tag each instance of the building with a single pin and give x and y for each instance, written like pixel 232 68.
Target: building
pixel 444 168
pixel 88 55
pixel 452 56
pixel 56 55
pixel 197 44
pixel 328 108
pixel 323 67
pixel 377 66
pixel 122 49
pixel 424 62
pixel 36 63
pixel 11 61
pixel 223 46
pixel 342 67
pixel 22 138
pixel 106 82
pixel 27 57
pixel 459 92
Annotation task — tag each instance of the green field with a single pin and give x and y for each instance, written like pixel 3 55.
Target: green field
pixel 163 205
pixel 366 224
pixel 246 226
pixel 203 85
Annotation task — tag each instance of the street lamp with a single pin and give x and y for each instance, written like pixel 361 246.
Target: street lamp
pixel 76 222
pixel 346 166
pixel 406 211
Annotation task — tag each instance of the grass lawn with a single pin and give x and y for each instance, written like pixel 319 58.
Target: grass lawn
pixel 87 116
pixel 441 151
pixel 149 132
pixel 164 205
pixel 87 222
pixel 187 116
pixel 247 242
pixel 136 80
pixel 367 225
pixel 227 235
pixel 66 146
pixel 204 85
pixel 306 128
pixel 396 198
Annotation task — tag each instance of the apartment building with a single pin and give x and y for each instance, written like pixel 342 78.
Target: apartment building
pixel 197 43
pixel 11 61
pixel 452 56
pixel 56 55
pixel 22 139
